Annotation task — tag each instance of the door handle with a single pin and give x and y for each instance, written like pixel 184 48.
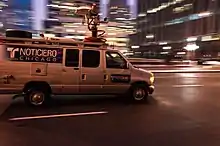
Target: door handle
pixel 83 76
pixel 105 77
pixel 76 68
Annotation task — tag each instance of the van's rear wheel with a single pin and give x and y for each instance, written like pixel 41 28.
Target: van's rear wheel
pixel 139 92
pixel 36 97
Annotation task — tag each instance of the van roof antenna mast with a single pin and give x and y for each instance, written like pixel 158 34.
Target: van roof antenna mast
pixel 93 21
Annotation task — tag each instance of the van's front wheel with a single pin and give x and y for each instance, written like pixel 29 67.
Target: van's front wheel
pixel 36 97
pixel 139 92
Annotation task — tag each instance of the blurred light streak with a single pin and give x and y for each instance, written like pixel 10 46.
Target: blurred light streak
pixel 81 31
pixel 135 47
pixel 164 52
pixel 70 30
pixel 181 53
pixel 117 39
pixel 209 38
pixel 191 47
pixel 205 14
pixel 162 43
pixel 191 39
pixel 112 33
pixel 39 13
pixel 167 48
pixel 50 35
pixel 188 75
pixel 150 36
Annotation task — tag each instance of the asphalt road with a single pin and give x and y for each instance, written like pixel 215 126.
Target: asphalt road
pixel 184 111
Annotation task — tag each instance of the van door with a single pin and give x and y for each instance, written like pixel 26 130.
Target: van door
pixel 71 72
pixel 117 75
pixel 91 77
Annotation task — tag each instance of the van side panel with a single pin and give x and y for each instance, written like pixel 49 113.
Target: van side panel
pixel 14 75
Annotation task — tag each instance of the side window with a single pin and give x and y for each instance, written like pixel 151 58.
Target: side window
pixel 72 58
pixel 115 60
pixel 90 58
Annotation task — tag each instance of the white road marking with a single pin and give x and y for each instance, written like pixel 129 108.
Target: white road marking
pixel 180 86
pixel 149 65
pixel 57 116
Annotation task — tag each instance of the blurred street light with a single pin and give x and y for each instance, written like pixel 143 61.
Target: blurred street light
pixel 163 43
pixel 167 48
pixel 150 36
pixel 191 39
pixel 135 47
pixel 191 47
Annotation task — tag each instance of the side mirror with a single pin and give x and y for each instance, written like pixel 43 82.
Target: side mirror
pixel 125 66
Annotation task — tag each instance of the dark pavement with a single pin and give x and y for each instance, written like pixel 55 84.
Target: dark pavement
pixel 184 111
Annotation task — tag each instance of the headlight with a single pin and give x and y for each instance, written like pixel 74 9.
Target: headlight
pixel 152 78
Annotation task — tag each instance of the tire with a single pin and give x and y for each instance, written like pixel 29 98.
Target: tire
pixel 139 93
pixel 37 97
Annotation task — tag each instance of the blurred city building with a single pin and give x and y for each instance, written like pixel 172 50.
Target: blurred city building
pixel 58 18
pixel 17 14
pixel 121 14
pixel 63 21
pixel 189 25
pixel 3 6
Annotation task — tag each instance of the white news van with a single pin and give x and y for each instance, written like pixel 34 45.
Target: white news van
pixel 36 69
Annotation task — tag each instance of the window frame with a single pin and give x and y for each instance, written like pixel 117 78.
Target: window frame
pixel 93 51
pixel 65 58
pixel 125 61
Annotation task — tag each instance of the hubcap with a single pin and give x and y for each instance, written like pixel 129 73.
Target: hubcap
pixel 37 98
pixel 139 94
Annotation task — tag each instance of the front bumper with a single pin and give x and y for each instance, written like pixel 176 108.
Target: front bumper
pixel 151 89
